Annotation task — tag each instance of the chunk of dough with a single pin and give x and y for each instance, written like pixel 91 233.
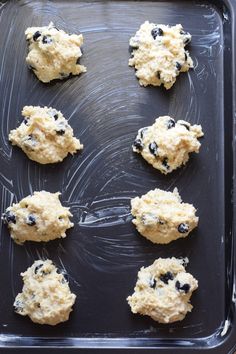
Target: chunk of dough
pixel 163 291
pixel 53 54
pixel 46 297
pixel 38 217
pixel 45 135
pixel 162 217
pixel 166 144
pixel 159 55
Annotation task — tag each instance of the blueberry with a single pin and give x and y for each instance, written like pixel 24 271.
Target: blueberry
pixel 178 66
pixel 185 125
pixel 55 116
pixel 60 132
pixel 46 40
pixel 159 75
pixel 153 283
pixel 25 121
pixel 157 31
pixel 31 220
pixel 187 40
pixel 165 163
pixel 9 217
pixel 36 35
pixel 185 287
pixel 166 277
pixel 36 269
pixel 170 123
pixel 142 131
pixel 138 144
pixel 153 148
pixel 183 228
pixel 17 306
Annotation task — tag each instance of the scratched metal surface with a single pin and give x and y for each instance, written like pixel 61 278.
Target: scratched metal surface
pixel 106 106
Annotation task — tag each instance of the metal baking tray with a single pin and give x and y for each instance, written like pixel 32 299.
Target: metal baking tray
pixel 106 106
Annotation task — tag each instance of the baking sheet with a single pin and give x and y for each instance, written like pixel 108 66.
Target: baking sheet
pixel 106 106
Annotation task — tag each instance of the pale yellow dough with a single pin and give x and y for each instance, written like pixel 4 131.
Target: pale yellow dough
pixel 45 135
pixel 53 54
pixel 38 217
pixel 46 297
pixel 166 144
pixel 159 57
pixel 163 291
pixel 162 217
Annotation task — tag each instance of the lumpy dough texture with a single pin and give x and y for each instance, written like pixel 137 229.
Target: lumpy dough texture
pixel 53 54
pixel 166 144
pixel 46 297
pixel 162 217
pixel 45 135
pixel 159 55
pixel 38 217
pixel 163 291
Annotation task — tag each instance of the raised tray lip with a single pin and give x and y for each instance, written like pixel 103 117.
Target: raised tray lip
pixel 223 340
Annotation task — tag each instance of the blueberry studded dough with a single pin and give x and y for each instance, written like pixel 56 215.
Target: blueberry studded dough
pixel 167 143
pixel 163 291
pixel 53 54
pixel 38 217
pixel 159 54
pixel 45 135
pixel 162 217
pixel 46 297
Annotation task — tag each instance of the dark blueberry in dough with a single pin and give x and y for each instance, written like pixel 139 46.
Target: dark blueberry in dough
pixel 31 220
pixel 60 132
pixel 36 269
pixel 166 277
pixel 31 67
pixel 25 121
pixel 187 40
pixel 153 148
pixel 142 132
pixel 138 144
pixel 185 287
pixel 178 66
pixel 55 116
pixel 170 123
pixel 9 217
pixel 183 228
pixel 46 40
pixel 157 31
pixel 153 283
pixel 159 75
pixel 17 306
pixel 36 35
pixel 165 163
pixel 185 125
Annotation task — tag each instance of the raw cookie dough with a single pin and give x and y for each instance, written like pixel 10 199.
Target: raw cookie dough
pixel 158 54
pixel 53 54
pixel 161 216
pixel 166 144
pixel 46 297
pixel 163 291
pixel 45 135
pixel 38 217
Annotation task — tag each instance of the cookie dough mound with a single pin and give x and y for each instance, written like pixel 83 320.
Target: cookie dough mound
pixel 163 291
pixel 45 135
pixel 161 216
pixel 166 144
pixel 38 217
pixel 46 297
pixel 53 54
pixel 159 54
